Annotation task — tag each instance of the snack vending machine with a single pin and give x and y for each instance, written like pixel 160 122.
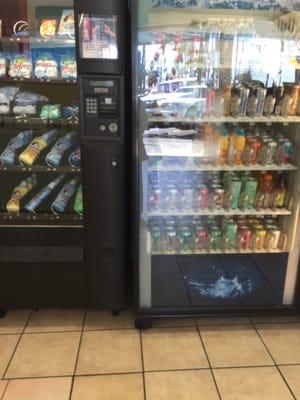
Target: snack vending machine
pixel 216 124
pixel 46 257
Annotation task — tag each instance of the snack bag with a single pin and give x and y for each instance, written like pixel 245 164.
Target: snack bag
pixel 56 154
pixel 48 27
pixel 2 66
pixel 75 158
pixel 7 95
pixel 51 111
pixel 20 67
pixel 68 68
pixel 46 67
pixel 20 191
pixel 27 103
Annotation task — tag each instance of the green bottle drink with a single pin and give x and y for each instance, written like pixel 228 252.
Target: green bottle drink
pixel 78 204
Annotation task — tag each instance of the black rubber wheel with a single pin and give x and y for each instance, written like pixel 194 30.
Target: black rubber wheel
pixel 2 312
pixel 143 323
pixel 115 313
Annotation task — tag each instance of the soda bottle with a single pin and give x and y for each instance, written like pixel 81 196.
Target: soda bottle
pixel 267 190
pixel 210 146
pixel 186 239
pixel 78 204
pixel 280 192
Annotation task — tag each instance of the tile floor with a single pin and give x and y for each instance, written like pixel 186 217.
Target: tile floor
pixel 91 355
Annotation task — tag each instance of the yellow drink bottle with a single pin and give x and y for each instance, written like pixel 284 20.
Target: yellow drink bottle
pixel 13 205
pixel 31 153
pixel 223 139
pixel 239 145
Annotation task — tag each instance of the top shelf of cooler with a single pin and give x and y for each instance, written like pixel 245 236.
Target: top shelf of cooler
pixel 40 41
pixel 228 120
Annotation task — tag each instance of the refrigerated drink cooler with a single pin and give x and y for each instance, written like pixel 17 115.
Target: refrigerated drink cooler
pixel 217 146
pixel 59 244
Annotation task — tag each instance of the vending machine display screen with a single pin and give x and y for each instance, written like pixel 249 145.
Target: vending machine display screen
pixel 98 36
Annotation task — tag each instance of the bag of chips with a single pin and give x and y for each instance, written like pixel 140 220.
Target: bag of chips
pixel 27 103
pixel 68 68
pixel 20 67
pixel 2 66
pixel 46 67
pixel 7 96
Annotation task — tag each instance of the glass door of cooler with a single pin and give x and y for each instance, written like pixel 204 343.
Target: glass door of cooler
pixel 218 138
pixel 40 162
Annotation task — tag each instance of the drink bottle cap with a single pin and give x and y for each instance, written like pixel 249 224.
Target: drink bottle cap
pixel 240 131
pixel 268 177
pixel 224 131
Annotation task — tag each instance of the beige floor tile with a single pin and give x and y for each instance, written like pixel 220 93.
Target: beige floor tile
pixel 106 387
pixel 251 384
pixel 180 385
pixel 2 387
pixel 222 320
pixel 7 346
pixel 283 341
pixel 109 352
pixel 45 354
pixel 96 319
pixel 51 320
pixel 173 322
pixel 39 389
pixel 277 319
pixel 14 321
pixel 173 348
pixel 292 375
pixel 234 346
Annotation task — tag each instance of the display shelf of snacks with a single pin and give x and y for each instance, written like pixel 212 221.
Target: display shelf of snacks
pixel 51 40
pixel 38 122
pixel 39 168
pixel 7 79
pixel 220 212
pixel 41 219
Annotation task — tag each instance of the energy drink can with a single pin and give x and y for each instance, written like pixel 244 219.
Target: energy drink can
pixel 260 96
pixel 272 238
pixel 186 239
pixel 244 237
pixel 235 186
pixel 230 234
pixel 215 238
pixel 288 147
pixel 249 193
pixel 244 95
pixel 201 238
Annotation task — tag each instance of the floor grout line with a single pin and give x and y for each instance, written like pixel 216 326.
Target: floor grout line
pixel 77 355
pixel 4 392
pixel 209 363
pixel 275 363
pixel 17 345
pixel 143 365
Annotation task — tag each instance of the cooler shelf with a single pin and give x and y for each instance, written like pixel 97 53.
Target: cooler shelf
pixel 220 251
pixel 211 167
pixel 39 168
pixel 228 120
pixel 220 212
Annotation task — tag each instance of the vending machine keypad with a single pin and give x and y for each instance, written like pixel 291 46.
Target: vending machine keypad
pixel 101 101
pixel 91 105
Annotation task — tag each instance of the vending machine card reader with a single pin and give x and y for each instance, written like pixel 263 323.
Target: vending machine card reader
pixel 101 107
